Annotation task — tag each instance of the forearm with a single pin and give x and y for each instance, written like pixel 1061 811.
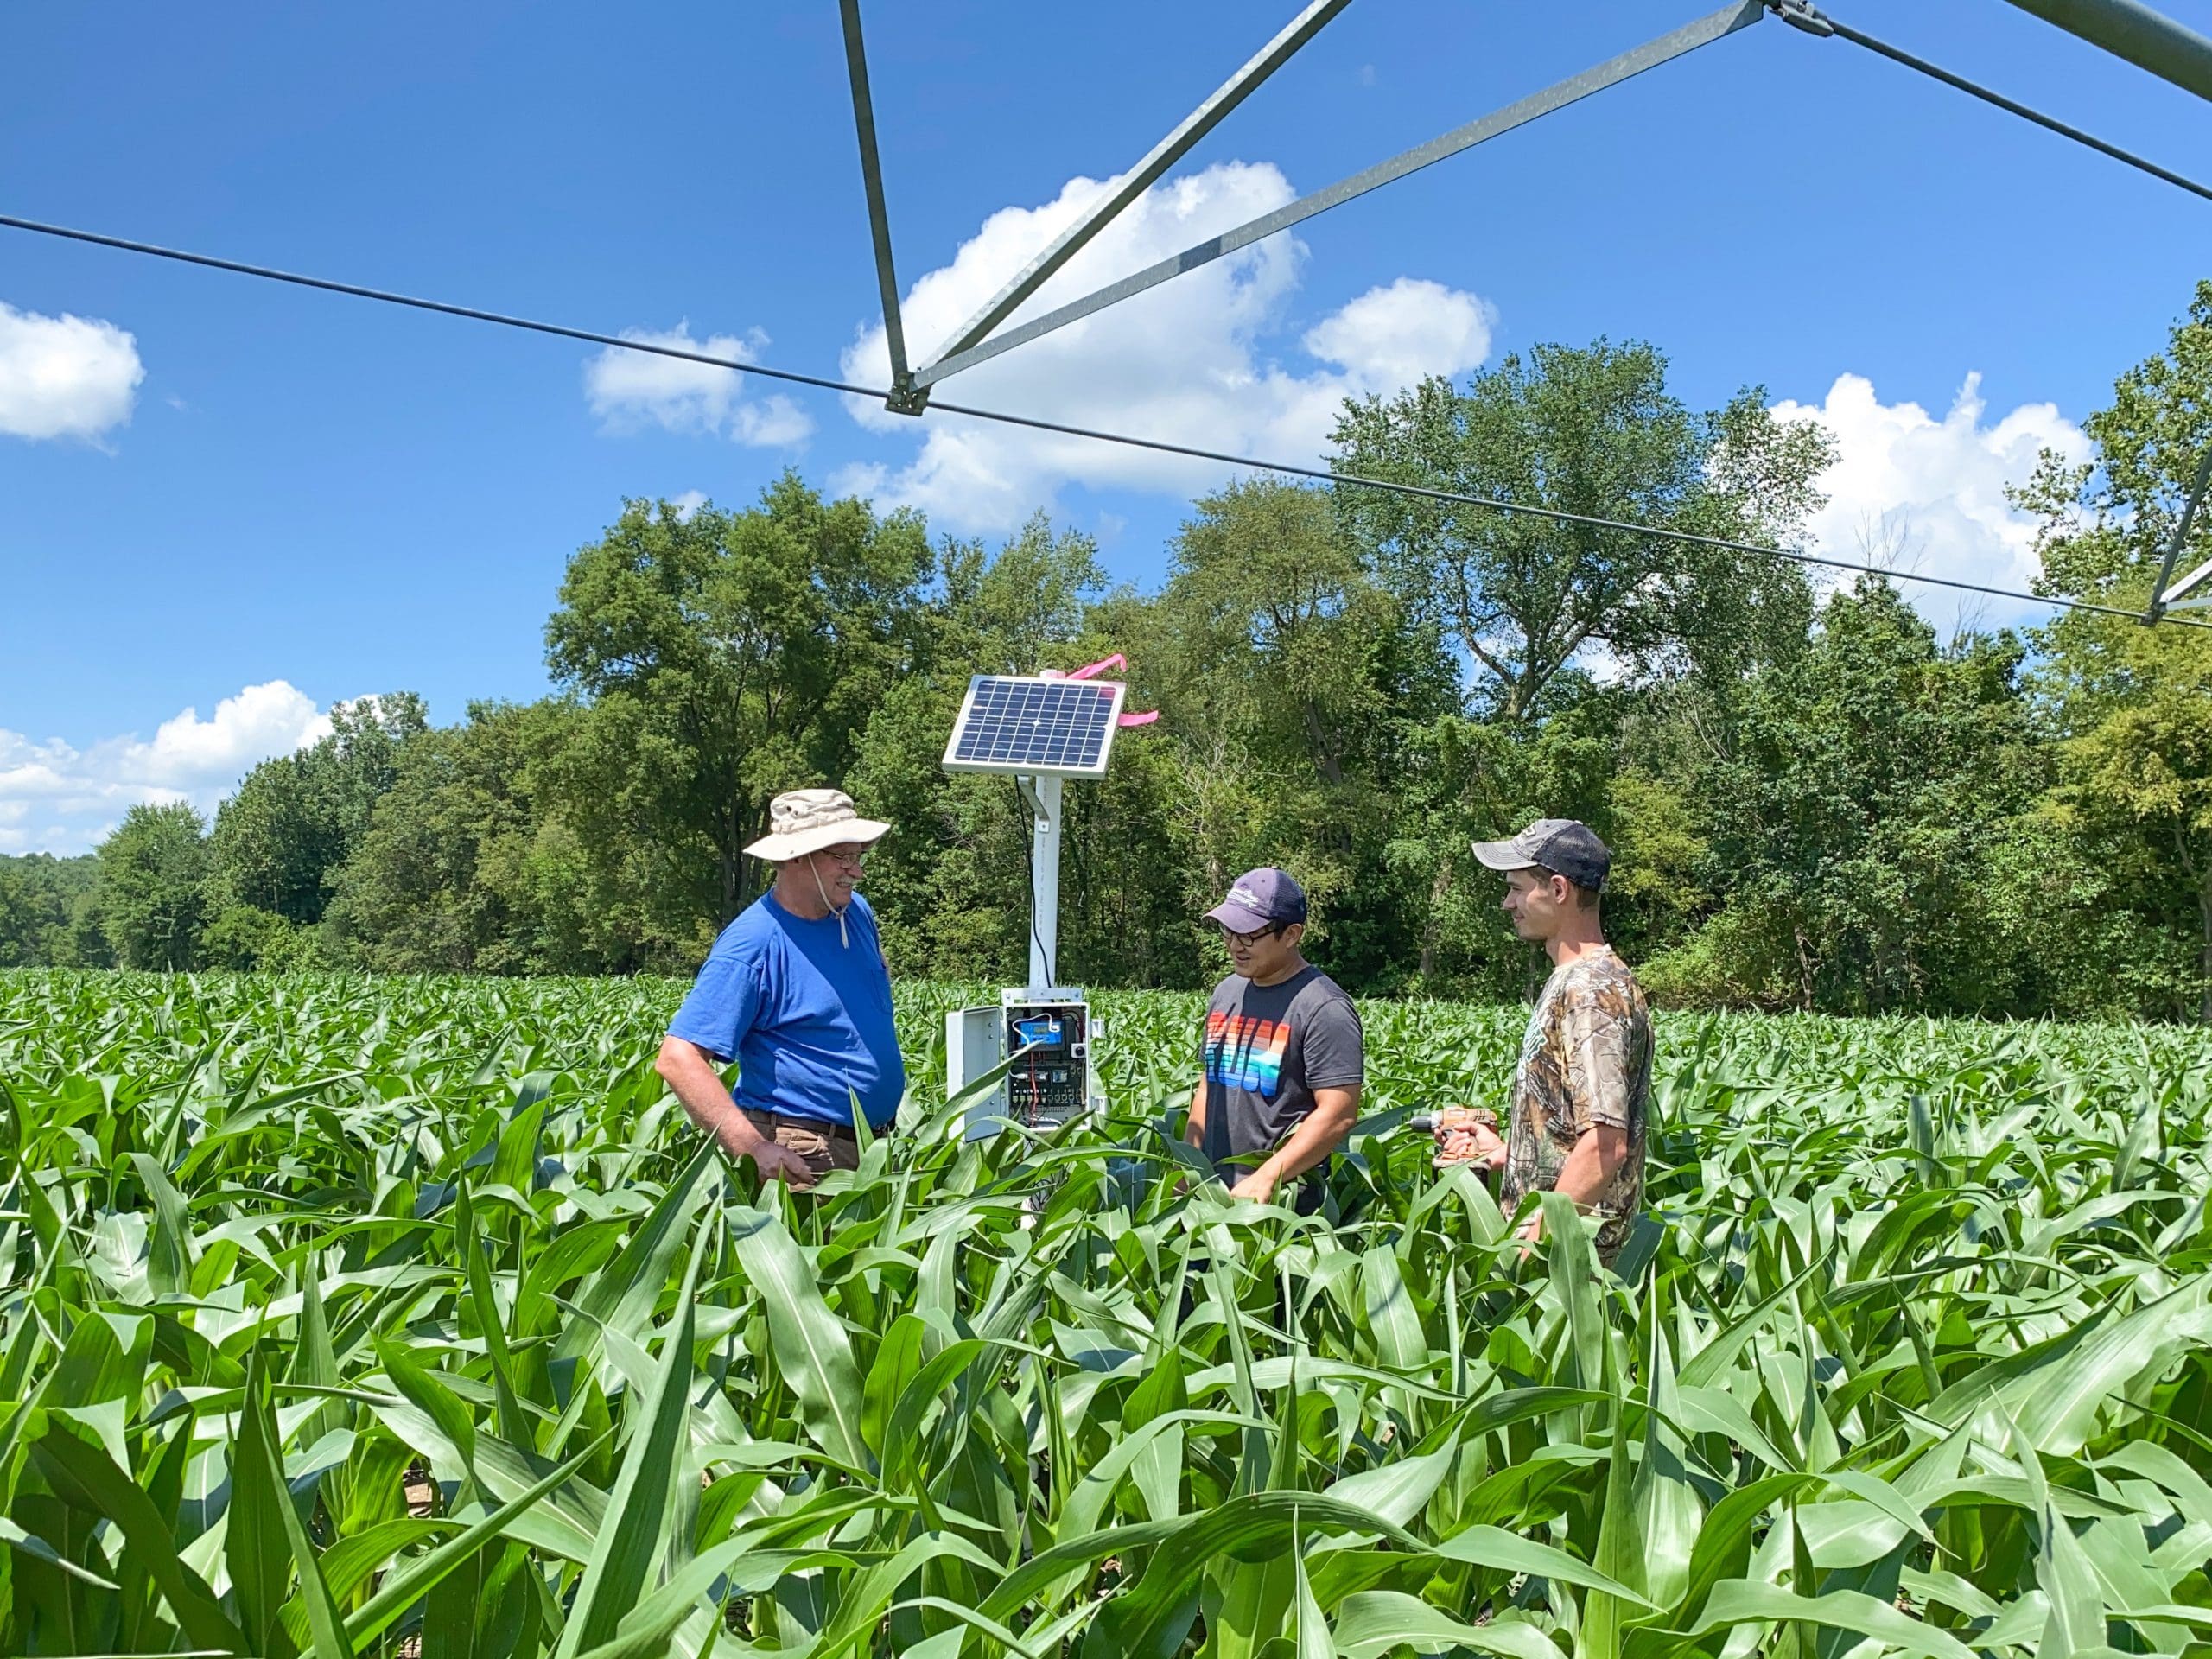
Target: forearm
pixel 692 1078
pixel 1597 1155
pixel 1325 1130
pixel 1194 1126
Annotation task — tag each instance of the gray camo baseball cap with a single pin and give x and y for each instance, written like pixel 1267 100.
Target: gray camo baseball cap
pixel 1565 847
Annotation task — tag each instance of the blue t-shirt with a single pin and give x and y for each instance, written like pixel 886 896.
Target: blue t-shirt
pixel 806 1016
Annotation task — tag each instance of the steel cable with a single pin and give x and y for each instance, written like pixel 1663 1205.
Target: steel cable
pixel 1802 15
pixel 1034 424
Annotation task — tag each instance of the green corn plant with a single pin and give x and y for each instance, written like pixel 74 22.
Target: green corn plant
pixel 372 1317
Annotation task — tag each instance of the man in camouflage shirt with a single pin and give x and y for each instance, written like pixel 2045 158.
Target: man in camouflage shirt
pixel 1583 1085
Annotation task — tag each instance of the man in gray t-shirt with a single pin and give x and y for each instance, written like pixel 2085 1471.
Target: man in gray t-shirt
pixel 1283 1056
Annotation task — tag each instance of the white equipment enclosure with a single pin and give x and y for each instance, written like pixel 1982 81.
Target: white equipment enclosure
pixel 1040 730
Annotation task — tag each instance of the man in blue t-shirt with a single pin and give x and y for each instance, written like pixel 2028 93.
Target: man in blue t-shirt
pixel 798 992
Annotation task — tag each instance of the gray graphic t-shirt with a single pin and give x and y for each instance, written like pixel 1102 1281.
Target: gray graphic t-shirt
pixel 1267 1048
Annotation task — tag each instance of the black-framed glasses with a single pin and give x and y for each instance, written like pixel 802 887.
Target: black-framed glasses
pixel 1231 936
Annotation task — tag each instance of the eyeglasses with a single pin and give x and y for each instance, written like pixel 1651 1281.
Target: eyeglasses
pixel 852 856
pixel 1251 938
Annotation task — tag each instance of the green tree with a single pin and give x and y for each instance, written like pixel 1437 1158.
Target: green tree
pixel 720 658
pixel 26 911
pixel 1590 431
pixel 41 901
pixel 1288 677
pixel 1855 822
pixel 466 867
pixel 279 839
pixel 152 893
pixel 251 940
pixel 1467 779
pixel 2132 706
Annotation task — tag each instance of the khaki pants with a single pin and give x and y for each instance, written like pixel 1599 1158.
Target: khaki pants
pixel 824 1145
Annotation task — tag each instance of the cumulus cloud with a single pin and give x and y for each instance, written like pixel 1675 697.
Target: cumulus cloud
pixel 1193 361
pixel 65 377
pixel 1391 337
pixel 1909 491
pixel 631 390
pixel 57 799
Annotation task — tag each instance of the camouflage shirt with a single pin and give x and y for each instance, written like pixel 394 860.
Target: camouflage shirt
pixel 1587 1060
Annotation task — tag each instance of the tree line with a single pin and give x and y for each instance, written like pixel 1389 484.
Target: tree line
pixel 1815 801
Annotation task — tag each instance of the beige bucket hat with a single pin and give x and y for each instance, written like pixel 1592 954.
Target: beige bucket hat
pixel 803 821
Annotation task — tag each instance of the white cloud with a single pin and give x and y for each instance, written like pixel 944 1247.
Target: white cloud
pixel 1187 362
pixel 631 390
pixel 687 504
pixel 65 377
pixel 1915 493
pixel 775 423
pixel 55 797
pixel 1390 337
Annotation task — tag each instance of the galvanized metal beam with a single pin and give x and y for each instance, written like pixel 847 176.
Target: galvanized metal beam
pixel 879 219
pixel 2167 599
pixel 1140 178
pixel 1610 73
pixel 2127 28
pixel 2163 597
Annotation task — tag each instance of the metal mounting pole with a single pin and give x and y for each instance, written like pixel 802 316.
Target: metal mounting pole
pixel 1650 55
pixel 2149 40
pixel 2163 597
pixel 1043 796
pixel 1140 178
pixel 879 218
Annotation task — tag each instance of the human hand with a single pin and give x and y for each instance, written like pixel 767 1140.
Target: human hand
pixel 1259 1186
pixel 1467 1134
pixel 776 1163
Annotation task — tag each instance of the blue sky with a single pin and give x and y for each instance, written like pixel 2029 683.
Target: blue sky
pixel 264 500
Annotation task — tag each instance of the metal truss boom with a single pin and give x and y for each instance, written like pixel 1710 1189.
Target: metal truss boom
pixel 2163 598
pixel 1141 177
pixel 1612 72
pixel 2127 28
pixel 879 219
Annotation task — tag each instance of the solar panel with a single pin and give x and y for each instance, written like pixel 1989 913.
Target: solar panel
pixel 1022 723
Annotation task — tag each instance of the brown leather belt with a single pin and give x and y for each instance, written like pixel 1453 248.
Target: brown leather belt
pixel 822 1127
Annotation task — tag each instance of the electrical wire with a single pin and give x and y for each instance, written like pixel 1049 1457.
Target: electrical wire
pixel 1557 515
pixel 1802 15
pixel 387 296
pixel 1034 424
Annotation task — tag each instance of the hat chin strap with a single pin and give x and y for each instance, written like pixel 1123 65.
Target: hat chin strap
pixel 844 936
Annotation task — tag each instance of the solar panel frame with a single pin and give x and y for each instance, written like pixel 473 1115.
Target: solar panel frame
pixel 1035 727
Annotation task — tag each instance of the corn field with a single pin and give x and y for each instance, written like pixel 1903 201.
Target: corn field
pixel 409 1318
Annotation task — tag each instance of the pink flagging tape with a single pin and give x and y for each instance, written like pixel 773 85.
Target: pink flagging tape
pixel 1099 667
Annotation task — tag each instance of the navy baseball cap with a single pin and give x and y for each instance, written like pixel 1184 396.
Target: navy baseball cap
pixel 1261 898
pixel 1562 846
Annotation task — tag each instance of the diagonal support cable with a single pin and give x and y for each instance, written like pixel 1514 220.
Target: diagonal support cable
pixel 1612 73
pixel 1141 177
pixel 2162 597
pixel 1805 15
pixel 879 219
